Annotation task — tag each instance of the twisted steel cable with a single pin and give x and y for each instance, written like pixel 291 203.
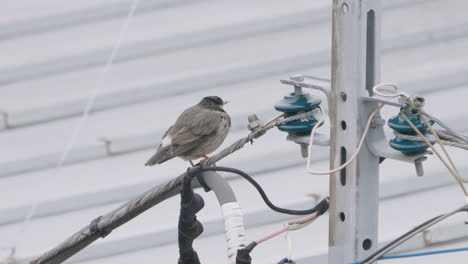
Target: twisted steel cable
pixel 103 225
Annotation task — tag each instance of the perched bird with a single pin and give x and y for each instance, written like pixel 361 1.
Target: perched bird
pixel 198 131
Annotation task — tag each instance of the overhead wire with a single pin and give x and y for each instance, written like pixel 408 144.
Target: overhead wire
pixel 426 140
pixel 448 129
pixel 318 207
pixel 396 91
pixel 443 149
pixel 420 254
pixel 87 109
pixel 353 157
pixel 143 202
pixel 290 226
pixel 451 167
pixel 411 233
pixel 447 141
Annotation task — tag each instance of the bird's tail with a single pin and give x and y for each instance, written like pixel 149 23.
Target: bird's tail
pixel 159 157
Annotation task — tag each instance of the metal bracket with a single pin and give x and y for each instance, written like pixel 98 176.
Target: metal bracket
pixel 377 141
pixel 320 84
pixel 319 140
pixel 317 83
pixel 367 99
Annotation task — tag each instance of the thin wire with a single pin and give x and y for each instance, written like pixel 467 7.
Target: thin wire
pixel 318 207
pixel 411 233
pixel 273 119
pixel 448 130
pixel 447 141
pixel 443 149
pixel 419 254
pixel 272 235
pixel 396 90
pixel 426 140
pixel 290 226
pixel 358 149
pixel 312 136
pixel 453 170
pixel 79 126
pixel 290 243
pixel 124 213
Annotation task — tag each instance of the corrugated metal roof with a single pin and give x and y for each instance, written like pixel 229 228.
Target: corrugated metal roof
pixel 174 53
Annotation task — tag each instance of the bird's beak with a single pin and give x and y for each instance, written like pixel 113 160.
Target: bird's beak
pixel 225 102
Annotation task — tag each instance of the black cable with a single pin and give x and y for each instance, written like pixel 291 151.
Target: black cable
pixel 398 239
pixel 319 207
pixel 189 227
pixel 243 254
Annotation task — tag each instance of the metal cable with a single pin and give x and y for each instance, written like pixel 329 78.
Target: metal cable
pixel 321 207
pixel 432 140
pixel 449 158
pixel 420 228
pixel 110 221
pixel 450 169
pixel 98 86
pixel 449 130
pixel 420 254
pixel 356 153
pixel 253 135
pixel 105 224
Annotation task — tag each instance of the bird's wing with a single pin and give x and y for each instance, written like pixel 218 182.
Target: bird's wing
pixel 190 129
pixel 196 126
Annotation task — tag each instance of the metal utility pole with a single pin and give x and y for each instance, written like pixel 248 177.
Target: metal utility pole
pixel 354 190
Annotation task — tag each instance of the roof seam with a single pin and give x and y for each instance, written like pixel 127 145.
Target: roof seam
pixel 223 77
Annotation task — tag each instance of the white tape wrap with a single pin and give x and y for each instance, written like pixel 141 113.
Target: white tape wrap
pixel 235 232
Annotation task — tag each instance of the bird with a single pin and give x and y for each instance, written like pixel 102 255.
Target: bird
pixel 198 131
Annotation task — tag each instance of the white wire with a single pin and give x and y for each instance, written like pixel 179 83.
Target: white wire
pixel 290 244
pixel 396 91
pixel 449 168
pixel 358 149
pixel 79 126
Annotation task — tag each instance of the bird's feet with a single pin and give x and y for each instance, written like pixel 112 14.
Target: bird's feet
pixel 191 163
pixel 205 158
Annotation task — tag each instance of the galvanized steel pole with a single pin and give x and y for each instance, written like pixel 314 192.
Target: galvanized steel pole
pixel 354 190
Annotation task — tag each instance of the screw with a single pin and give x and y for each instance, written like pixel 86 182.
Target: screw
pixel 254 122
pixel 344 96
pixel 419 166
pixel 378 122
pixel 297 78
pixel 304 150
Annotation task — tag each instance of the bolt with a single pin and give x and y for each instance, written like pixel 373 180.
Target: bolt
pixel 419 166
pixel 418 102
pixel 297 90
pixel 254 122
pixel 304 150
pixel 378 121
pixel 297 78
pixel 344 96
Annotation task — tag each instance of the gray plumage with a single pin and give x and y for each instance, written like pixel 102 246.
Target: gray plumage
pixel 198 131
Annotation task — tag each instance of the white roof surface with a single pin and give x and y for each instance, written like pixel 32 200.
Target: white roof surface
pixel 173 54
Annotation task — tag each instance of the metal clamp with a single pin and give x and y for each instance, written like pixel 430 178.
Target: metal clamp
pixel 316 83
pixel 320 84
pixel 377 141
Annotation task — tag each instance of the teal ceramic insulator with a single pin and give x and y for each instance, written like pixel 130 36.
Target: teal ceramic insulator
pixel 408 147
pixel 399 124
pixel 293 104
